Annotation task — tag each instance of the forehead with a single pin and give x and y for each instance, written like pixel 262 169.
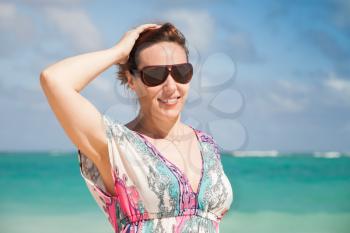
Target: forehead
pixel 162 53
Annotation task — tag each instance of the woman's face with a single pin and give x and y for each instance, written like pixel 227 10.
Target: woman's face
pixel 162 53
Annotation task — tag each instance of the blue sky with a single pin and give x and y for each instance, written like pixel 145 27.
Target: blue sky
pixel 270 75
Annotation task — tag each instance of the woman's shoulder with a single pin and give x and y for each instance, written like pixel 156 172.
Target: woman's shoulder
pixel 203 135
pixel 207 138
pixel 113 127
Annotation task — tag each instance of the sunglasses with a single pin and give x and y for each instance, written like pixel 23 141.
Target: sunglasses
pixel 155 75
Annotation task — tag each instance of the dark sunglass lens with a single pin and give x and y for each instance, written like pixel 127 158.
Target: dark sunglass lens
pixel 182 73
pixel 153 76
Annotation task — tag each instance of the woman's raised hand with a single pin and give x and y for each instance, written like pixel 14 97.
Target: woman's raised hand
pixel 126 43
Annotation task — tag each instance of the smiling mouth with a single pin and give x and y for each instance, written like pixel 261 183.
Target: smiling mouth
pixel 169 101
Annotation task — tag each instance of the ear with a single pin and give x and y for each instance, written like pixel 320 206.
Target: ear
pixel 130 78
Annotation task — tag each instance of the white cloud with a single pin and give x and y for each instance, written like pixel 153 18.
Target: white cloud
pixel 338 84
pixel 16 28
pixel 339 88
pixel 77 26
pixel 197 26
pixel 7 11
pixel 289 96
pixel 279 96
pixel 293 86
pixel 41 3
pixel 286 103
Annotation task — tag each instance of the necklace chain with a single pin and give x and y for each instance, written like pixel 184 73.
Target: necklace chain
pixel 177 139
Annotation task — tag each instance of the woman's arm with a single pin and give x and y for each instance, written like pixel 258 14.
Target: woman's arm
pixel 78 71
pixel 81 121
pixel 62 82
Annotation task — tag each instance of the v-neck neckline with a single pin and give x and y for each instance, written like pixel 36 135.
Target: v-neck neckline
pixel 165 160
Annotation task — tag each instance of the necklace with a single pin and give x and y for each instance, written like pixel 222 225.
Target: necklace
pixel 178 136
pixel 177 139
pixel 188 165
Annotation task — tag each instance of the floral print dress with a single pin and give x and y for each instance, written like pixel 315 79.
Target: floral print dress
pixel 152 194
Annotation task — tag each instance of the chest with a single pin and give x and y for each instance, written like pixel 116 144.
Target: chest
pixel 160 175
pixel 185 154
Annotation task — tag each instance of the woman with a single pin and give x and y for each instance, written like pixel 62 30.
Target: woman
pixel 154 174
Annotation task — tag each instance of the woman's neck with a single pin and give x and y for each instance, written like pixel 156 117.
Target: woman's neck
pixel 157 128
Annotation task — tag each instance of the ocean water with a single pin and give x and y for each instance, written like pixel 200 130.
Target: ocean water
pixel 303 193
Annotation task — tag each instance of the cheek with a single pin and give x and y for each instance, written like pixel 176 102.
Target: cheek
pixel 184 90
pixel 148 96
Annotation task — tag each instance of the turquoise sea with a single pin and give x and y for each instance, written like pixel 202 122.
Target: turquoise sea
pixel 294 192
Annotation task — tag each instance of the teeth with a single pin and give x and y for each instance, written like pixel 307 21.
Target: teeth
pixel 169 101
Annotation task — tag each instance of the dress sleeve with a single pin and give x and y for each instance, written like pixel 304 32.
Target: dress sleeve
pixel 91 175
pixel 217 150
pixel 206 137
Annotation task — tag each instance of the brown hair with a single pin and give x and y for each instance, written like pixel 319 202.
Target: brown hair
pixel 166 33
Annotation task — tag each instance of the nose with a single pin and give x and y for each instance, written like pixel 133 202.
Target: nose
pixel 170 84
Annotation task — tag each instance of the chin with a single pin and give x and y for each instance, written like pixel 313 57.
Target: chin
pixel 169 111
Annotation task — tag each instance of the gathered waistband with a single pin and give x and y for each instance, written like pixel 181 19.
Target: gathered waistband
pixel 186 212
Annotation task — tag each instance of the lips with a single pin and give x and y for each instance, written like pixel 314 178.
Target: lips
pixel 172 100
